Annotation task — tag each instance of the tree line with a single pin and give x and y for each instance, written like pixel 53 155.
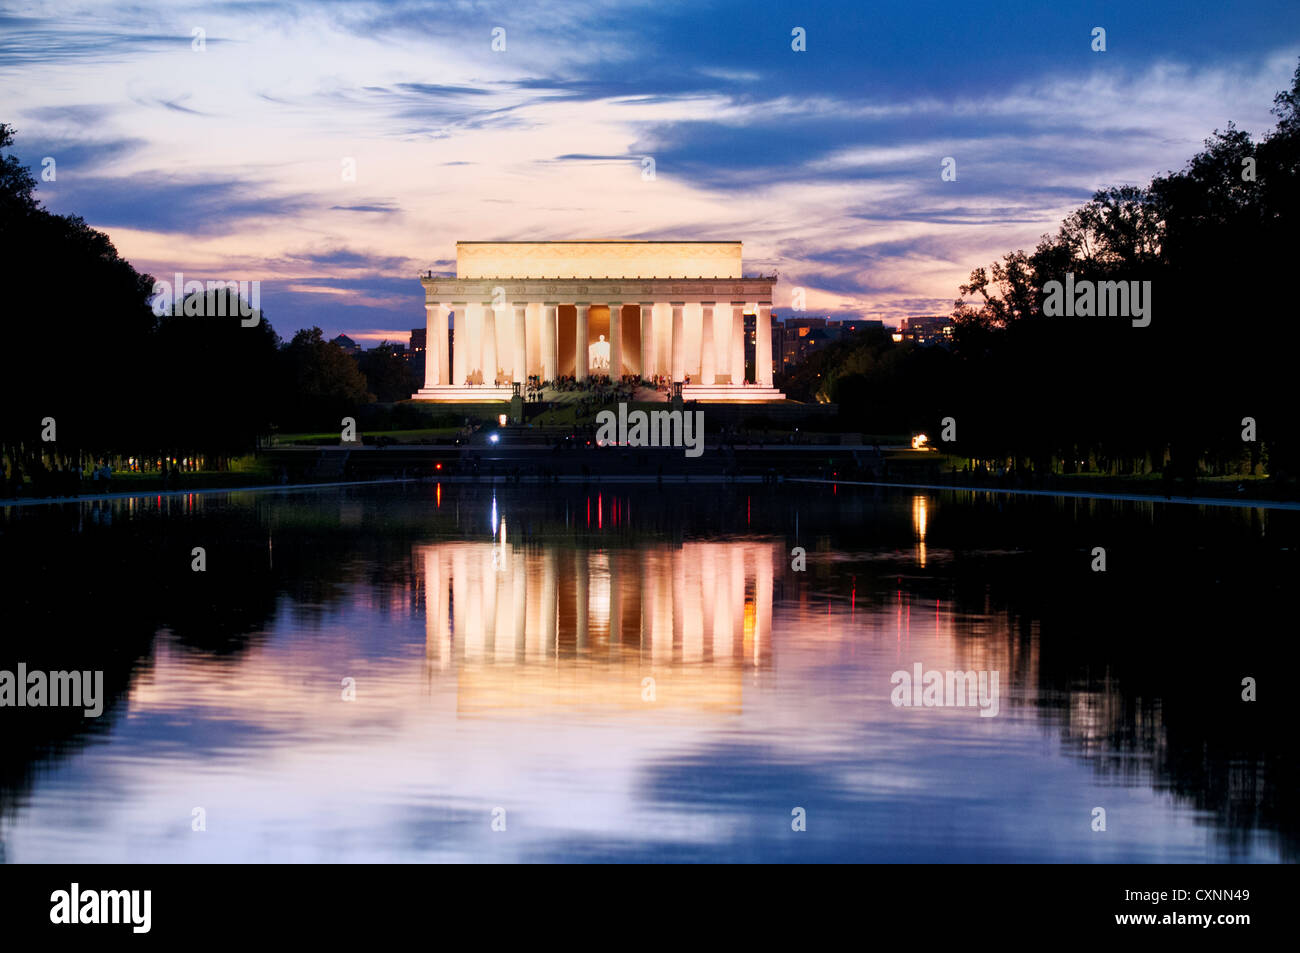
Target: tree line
pixel 1182 394
pixel 91 372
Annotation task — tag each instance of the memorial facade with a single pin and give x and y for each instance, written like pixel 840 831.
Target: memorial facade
pixel 669 310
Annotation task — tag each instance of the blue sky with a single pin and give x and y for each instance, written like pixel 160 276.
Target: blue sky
pixel 227 161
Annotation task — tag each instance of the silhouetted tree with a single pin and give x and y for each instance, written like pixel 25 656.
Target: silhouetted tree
pixel 386 371
pixel 76 341
pixel 321 382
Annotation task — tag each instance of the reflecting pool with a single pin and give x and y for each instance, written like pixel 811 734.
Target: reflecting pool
pixel 455 672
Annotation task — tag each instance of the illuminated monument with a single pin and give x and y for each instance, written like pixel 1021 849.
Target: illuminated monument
pixel 550 309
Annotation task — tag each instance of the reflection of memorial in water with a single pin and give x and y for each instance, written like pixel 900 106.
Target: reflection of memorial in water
pixel 548 626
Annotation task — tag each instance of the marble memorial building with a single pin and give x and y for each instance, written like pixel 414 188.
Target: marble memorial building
pixel 583 308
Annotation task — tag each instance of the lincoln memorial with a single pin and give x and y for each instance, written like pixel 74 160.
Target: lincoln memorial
pixel 583 309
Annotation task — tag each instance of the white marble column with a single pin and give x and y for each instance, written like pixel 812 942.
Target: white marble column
pixel 488 344
pixel 443 329
pixel 708 346
pixel 737 343
pixel 431 318
pixel 615 340
pixel 678 371
pixel 460 365
pixel 580 343
pixel 721 350
pixel 722 342
pixel 550 340
pixel 519 365
pixel 763 345
pixel 647 367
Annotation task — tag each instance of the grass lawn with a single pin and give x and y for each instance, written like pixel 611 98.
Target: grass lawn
pixel 244 471
pixel 1228 478
pixel 947 461
pixel 331 438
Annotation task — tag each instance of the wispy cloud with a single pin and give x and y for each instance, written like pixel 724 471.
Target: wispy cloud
pixel 337 149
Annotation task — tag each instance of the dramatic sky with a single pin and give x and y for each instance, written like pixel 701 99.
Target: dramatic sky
pixel 229 161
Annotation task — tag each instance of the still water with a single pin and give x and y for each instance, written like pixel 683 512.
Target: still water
pixel 467 673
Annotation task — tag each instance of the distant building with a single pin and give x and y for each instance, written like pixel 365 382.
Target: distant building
pixel 798 337
pixel 392 347
pixel 853 325
pixel 348 345
pixel 802 337
pixel 415 353
pixel 818 338
pixel 931 329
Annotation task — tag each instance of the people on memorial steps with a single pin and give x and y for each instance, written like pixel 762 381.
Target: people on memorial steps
pixel 598 386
